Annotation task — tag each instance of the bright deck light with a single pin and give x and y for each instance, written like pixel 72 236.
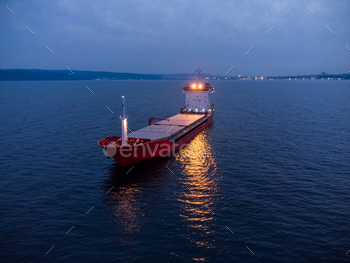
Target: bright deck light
pixel 200 86
pixel 193 86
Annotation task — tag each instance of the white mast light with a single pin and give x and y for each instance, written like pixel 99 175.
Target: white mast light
pixel 124 123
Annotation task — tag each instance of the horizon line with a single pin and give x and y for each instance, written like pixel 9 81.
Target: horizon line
pixel 238 75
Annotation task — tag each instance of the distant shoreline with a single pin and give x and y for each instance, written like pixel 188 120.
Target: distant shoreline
pixel 52 75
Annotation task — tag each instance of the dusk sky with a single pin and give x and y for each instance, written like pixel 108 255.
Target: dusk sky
pixel 177 36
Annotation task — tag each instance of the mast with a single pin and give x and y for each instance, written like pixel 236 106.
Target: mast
pixel 199 71
pixel 124 123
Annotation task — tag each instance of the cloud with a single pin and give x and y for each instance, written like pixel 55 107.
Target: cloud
pixel 177 36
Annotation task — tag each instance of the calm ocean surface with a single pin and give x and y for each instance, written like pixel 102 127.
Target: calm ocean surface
pixel 274 168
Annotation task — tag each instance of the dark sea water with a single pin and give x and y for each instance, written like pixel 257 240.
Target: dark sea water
pixel 273 168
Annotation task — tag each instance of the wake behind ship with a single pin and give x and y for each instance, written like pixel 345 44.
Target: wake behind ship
pixel 166 136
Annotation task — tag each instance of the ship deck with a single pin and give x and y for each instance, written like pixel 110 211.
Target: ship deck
pixel 164 130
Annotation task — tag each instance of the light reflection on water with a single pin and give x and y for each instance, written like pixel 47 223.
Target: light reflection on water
pixel 126 196
pixel 126 209
pixel 196 170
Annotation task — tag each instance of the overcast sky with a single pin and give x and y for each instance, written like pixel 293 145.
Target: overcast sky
pixel 177 36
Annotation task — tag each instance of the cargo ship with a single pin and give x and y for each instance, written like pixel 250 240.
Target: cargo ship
pixel 166 136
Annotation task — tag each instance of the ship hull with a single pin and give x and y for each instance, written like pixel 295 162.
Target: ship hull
pixel 190 135
pixel 127 155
